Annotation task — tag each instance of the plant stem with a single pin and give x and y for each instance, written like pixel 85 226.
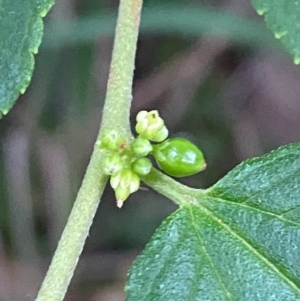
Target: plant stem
pixel 172 189
pixel 115 116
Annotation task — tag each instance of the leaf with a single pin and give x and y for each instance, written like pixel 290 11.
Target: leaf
pixel 21 33
pixel 163 19
pixel 239 241
pixel 282 17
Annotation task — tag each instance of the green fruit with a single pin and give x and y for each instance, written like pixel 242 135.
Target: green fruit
pixel 178 157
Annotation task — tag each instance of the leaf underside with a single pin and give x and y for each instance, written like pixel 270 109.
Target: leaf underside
pixel 21 33
pixel 240 241
pixel 282 17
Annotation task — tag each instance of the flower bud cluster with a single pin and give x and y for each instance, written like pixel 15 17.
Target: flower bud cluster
pixel 151 126
pixel 127 163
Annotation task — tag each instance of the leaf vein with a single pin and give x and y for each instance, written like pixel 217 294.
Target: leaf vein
pixel 263 258
pixel 237 170
pixel 248 207
pixel 211 263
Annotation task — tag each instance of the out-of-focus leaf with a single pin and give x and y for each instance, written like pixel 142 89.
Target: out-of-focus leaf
pixel 238 241
pixel 20 36
pixel 283 17
pixel 162 19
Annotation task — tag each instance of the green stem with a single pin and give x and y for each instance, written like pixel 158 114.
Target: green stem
pixel 115 116
pixel 172 189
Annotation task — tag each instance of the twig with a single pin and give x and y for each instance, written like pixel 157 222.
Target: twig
pixel 116 116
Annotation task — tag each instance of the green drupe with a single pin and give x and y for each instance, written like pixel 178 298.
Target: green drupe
pixel 178 157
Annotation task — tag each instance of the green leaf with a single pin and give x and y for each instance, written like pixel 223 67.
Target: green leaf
pixel 282 17
pixel 21 33
pixel 186 21
pixel 239 241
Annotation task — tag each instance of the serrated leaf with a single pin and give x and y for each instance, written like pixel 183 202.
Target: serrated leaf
pixel 282 17
pixel 240 241
pixel 20 36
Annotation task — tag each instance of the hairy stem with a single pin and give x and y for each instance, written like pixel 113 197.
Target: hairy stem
pixel 116 116
pixel 119 88
pixel 179 193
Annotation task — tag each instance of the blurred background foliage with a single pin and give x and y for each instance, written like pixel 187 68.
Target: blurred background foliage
pixel 210 67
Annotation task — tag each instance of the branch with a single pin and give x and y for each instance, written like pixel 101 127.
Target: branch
pixel 115 116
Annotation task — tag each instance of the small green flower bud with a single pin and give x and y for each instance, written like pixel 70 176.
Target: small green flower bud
pixel 152 115
pixel 141 146
pixel 141 166
pixel 152 129
pixel 125 178
pixel 154 119
pixel 124 183
pixel 141 126
pixel 111 140
pixel 112 164
pixel 122 193
pixel 129 179
pixel 148 124
pixel 134 183
pixel 141 116
pixel 161 135
pixel 115 180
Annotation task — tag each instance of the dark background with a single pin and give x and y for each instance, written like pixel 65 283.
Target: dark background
pixel 211 68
